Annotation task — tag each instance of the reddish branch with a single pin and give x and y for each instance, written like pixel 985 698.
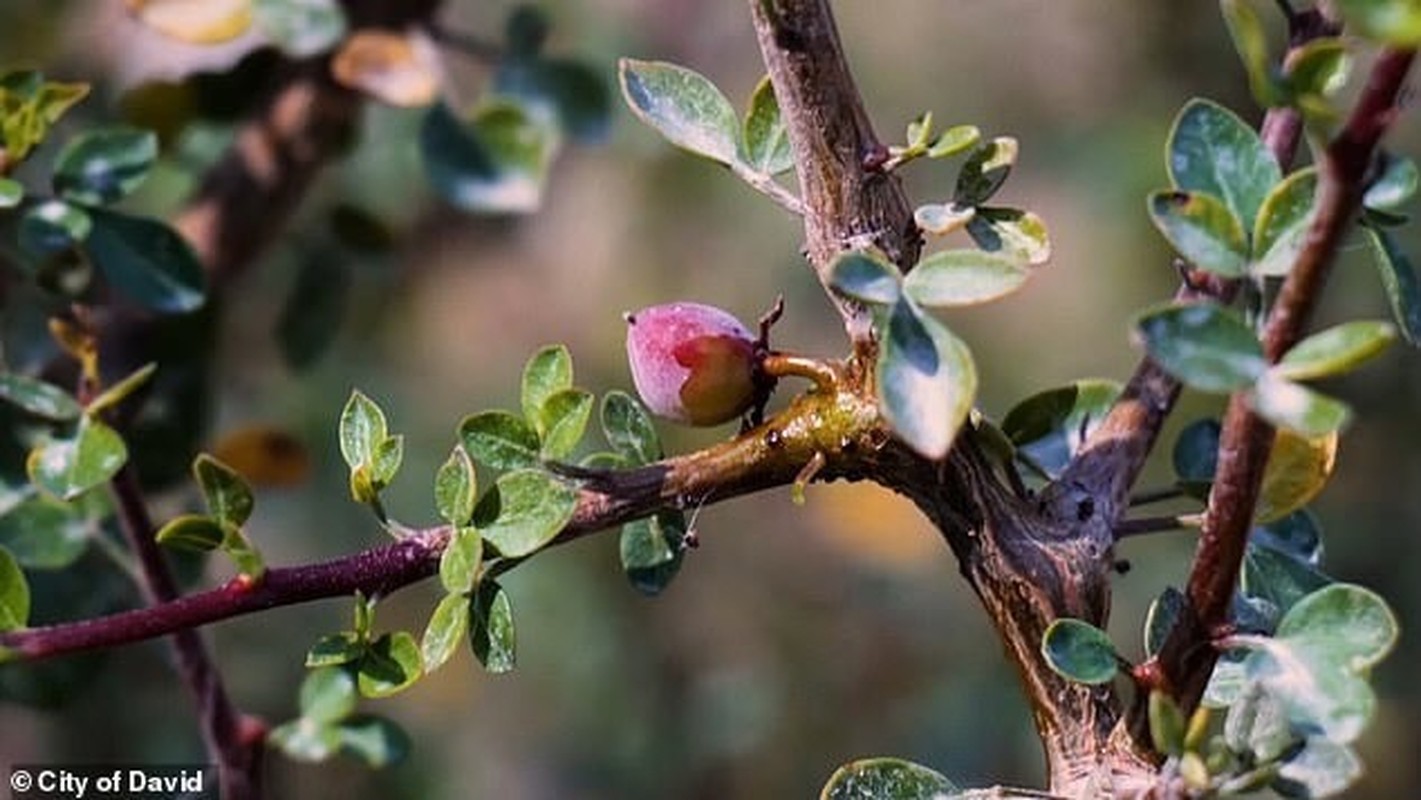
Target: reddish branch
pixel 1188 659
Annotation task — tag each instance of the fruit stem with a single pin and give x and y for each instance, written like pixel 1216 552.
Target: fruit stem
pixel 780 365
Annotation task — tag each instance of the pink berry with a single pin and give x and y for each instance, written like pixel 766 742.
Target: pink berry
pixel 692 363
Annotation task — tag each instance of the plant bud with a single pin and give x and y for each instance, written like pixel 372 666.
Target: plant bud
pixel 692 363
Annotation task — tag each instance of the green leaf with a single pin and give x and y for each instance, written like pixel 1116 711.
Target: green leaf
pixel 1205 345
pixel 1202 230
pixel 1315 71
pixel 42 533
pixel 1250 41
pixel 460 561
pixel 14 594
pixel 1298 408
pixel 363 615
pixel 866 277
pixel 327 694
pixel 886 779
pixel 767 147
pixel 1283 222
pixel 533 507
pixel 1277 577
pixel 963 277
pixel 1166 724
pixel 1394 22
pixel 940 219
pixel 67 467
pixel 455 487
pixel 652 550
pixel 228 496
pixel 300 28
pixel 1050 426
pixel 147 261
pixel 1257 725
pixel 564 419
pixel 629 429
pixel 1296 535
pixel 120 391
pixel 985 171
pixel 374 740
pixel 335 649
pixel 548 372
pixel 570 93
pixel 385 462
pixel 1322 768
pixel 920 130
pixel 1399 281
pixel 491 632
pixel 1196 453
pixel 11 193
pixel 926 380
pixel 306 740
pixel 191 532
pixel 1212 151
pixel 244 555
pixel 500 440
pixel 954 140
pixel 1335 351
pixel 390 665
pixel 1159 620
pixel 445 630
pixel 362 429
pixel 39 398
pixel 51 227
pixel 1299 465
pixel 497 162
pixel 1011 232
pixel 100 166
pixel 1342 621
pixel 683 106
pixel 1396 184
pixel 1079 651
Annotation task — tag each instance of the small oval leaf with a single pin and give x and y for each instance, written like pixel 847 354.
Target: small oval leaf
pixel 1298 468
pixel 1212 151
pixel 964 277
pixel 1202 230
pixel 101 166
pixel 67 467
pixel 459 563
pixel 390 665
pixel 887 779
pixel 548 372
pixel 1011 232
pixel 455 487
pixel 1079 651
pixel 767 147
pixel 445 630
pixel 191 532
pixel 499 440
pixel 1296 408
pixel 14 594
pixel 327 694
pixel 629 429
pixel 985 171
pixel 682 105
pixel 39 398
pixel 147 261
pixel 533 507
pixel 1203 344
pixel 926 380
pixel 1283 223
pixel 1337 350
pixel 491 632
pixel 866 277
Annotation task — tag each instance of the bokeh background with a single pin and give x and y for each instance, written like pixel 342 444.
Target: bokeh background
pixel 796 638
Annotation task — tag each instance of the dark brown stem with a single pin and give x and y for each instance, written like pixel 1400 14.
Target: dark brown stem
pixel 1187 658
pixel 233 741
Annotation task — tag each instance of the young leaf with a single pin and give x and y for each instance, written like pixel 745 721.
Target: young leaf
pixel 533 507
pixel 385 463
pixel 1166 724
pixel 1297 408
pixel 766 140
pixel 1079 651
pixel 1394 186
pixel 1283 222
pixel 445 630
pixel 1277 578
pixel 390 665
pixel 683 106
pixel 44 534
pixel 500 440
pixel 68 467
pixel 327 694
pixel 548 372
pixel 564 419
pixel 887 779
pixel 362 429
pixel 39 398
pixel 1160 618
pixel 940 219
pixel 335 649
pixel 926 380
pixel 1212 151
pixel 1050 426
pixel 120 391
pixel 455 487
pixel 101 166
pixel 652 550
pixel 963 277
pixel 1399 281
pixel 147 261
pixel 305 739
pixel 866 277
pixel 1203 344
pixel 1250 41
pixel 14 594
pixel 1011 232
pixel 245 557
pixel 191 532
pixel 374 740
pixel 491 632
pixel 228 496
pixel 1336 350
pixel 1202 230
pixel 628 429
pixel 1394 22
pixel 985 171
pixel 460 561
pixel 954 140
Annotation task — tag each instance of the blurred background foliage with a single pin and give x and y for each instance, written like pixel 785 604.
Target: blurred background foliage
pixel 796 638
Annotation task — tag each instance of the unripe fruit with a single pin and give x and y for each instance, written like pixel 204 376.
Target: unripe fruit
pixel 692 363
